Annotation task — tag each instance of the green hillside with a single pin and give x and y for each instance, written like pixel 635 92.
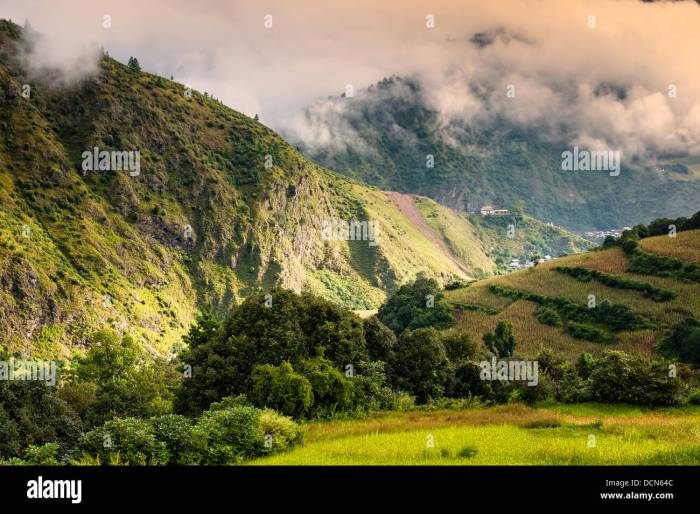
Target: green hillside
pixel 389 135
pixel 221 207
pixel 548 305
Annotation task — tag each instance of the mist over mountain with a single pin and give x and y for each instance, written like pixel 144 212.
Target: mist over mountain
pixel 396 135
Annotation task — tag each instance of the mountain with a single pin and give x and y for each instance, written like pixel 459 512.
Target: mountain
pixel 390 135
pixel 214 207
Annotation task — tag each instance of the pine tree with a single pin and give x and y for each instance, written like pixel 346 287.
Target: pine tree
pixel 134 64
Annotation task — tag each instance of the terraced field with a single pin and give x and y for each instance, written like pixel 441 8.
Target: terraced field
pixel 685 246
pixel 482 308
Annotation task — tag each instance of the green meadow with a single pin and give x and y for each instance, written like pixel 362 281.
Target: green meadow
pixel 514 434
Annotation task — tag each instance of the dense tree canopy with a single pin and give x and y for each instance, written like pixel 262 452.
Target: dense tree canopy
pixel 269 330
pixel 416 305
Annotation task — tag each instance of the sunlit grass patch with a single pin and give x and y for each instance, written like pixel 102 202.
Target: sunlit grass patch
pixel 583 434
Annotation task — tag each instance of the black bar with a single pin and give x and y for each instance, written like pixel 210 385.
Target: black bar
pixel 391 485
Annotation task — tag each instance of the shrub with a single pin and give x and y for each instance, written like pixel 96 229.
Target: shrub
pixel 184 445
pixel 381 341
pixel 467 452
pixel 283 433
pixel 572 388
pixel 548 316
pixel 648 290
pixel 587 332
pixel 682 342
pixel 467 382
pixel 543 390
pixel 585 365
pixel 694 397
pixel 332 390
pixel 125 441
pixel 621 378
pixel 281 388
pixel 232 434
pixel 235 432
pixel 460 347
pixel 615 316
pixel 45 455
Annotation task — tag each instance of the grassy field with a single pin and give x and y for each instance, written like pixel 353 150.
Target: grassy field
pixel 514 434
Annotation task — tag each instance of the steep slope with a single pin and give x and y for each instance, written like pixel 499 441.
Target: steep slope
pixel 408 208
pixel 391 136
pixel 220 206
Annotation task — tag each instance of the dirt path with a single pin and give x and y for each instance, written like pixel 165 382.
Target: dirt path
pixel 408 208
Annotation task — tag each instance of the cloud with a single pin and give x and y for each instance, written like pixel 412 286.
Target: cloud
pixel 57 65
pixel 584 71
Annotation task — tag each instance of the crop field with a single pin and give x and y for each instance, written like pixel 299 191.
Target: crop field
pixel 513 434
pixel 532 336
pixel 685 246
pixel 545 280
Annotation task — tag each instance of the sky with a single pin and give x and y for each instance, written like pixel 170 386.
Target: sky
pixel 275 58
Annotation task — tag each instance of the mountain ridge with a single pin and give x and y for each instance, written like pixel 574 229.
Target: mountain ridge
pixel 222 207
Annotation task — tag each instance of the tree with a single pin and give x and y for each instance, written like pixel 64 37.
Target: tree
pixel 519 207
pixel 125 441
pixel 621 378
pixel 282 389
pixel 202 330
pixel 683 342
pixel 332 390
pixel 416 305
pixel 134 64
pixel 460 347
pixel 381 341
pixel 33 414
pixel 270 329
pixel 502 342
pixel 421 366
pixel 127 382
pixel 185 446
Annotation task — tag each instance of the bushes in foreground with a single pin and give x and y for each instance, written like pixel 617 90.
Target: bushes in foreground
pixel 614 377
pixel 230 432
